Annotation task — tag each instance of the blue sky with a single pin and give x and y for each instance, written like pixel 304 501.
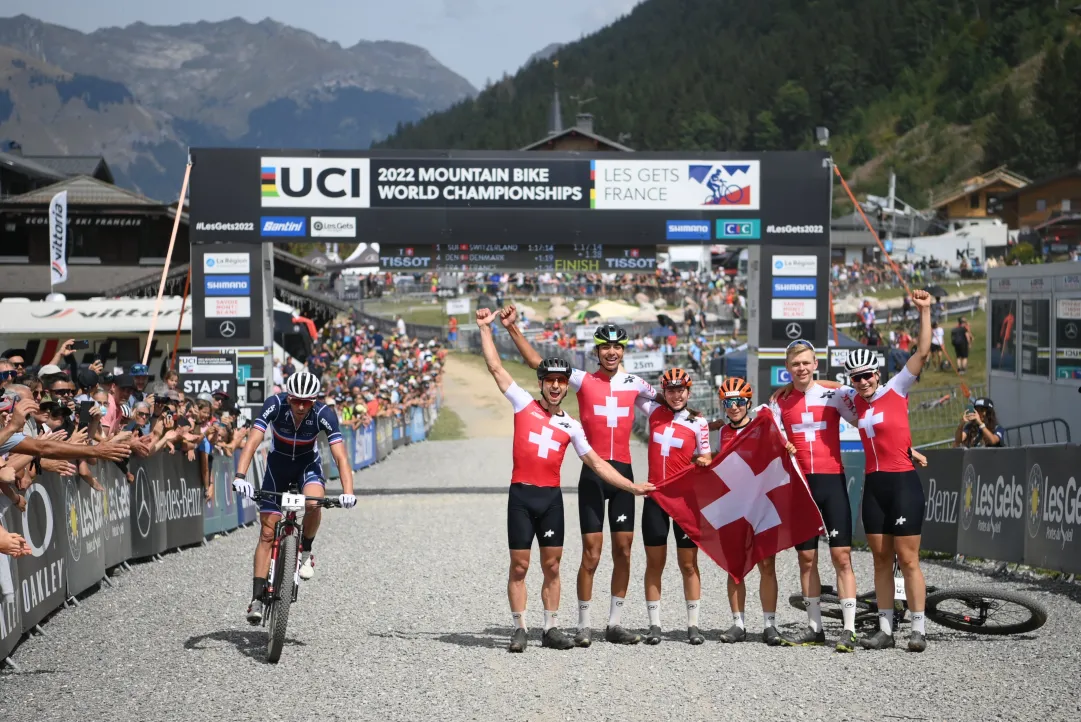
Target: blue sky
pixel 478 39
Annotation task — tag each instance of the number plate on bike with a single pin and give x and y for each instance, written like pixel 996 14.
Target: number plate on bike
pixel 899 588
pixel 292 502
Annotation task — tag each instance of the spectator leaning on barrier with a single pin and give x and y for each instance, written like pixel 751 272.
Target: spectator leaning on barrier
pixel 979 426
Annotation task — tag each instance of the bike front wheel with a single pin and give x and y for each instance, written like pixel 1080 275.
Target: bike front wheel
pixel 985 612
pixel 279 610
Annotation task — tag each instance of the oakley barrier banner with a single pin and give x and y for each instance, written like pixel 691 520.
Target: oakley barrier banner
pixel 250 195
pixel 10 595
pixel 42 584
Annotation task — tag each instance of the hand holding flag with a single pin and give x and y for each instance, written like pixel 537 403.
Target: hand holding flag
pixel 750 503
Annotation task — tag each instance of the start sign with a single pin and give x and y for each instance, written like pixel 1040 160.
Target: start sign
pixel 207 374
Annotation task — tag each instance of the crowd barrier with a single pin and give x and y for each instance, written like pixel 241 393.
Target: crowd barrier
pixel 1007 505
pixel 76 533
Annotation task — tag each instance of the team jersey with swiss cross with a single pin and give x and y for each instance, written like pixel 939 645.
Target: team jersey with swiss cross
pixel 540 440
pixel 728 434
pixel 883 424
pixel 290 437
pixel 607 410
pixel 674 439
pixel 811 421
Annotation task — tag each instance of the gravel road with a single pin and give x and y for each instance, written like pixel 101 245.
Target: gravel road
pixel 407 620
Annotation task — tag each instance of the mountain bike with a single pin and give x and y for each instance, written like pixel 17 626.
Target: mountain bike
pixel 283 579
pixel 966 609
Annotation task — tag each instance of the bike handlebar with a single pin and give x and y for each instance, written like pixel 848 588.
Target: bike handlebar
pixel 326 502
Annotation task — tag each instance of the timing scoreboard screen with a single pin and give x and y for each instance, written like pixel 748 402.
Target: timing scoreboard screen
pixel 527 257
pixel 533 208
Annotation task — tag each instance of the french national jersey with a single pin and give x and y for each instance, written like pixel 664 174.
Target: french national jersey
pixel 607 410
pixel 811 421
pixel 674 439
pixel 291 438
pixel 540 440
pixel 883 424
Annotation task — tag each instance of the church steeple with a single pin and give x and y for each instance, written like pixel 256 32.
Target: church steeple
pixel 555 115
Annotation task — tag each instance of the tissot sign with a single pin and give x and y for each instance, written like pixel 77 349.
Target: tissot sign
pixel 412 197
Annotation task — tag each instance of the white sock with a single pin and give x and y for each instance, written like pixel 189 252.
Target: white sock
pixel 769 619
pixel 654 610
pixel 550 619
pixel 848 612
pixel 814 613
pixel 692 612
pixel 583 614
pixel 615 612
pixel 519 619
pixel 737 619
pixel 917 622
pixel 885 621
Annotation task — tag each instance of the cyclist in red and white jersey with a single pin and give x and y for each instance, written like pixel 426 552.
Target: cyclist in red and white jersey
pixel 542 433
pixel 678 438
pixel 735 396
pixel 810 416
pixel 606 401
pixel 893 498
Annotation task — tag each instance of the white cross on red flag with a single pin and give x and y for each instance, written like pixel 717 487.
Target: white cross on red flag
pixel 750 503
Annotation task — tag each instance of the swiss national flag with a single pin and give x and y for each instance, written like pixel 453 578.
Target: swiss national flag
pixel 750 503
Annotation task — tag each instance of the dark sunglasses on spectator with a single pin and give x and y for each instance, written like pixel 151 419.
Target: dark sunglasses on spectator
pixel 5 375
pixel 62 392
pixel 863 376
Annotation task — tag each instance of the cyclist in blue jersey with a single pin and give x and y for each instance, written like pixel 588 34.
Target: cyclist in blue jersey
pixel 295 420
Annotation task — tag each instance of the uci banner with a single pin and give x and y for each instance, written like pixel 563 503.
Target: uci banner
pixel 256 195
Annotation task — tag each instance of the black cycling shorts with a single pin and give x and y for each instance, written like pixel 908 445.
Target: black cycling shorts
pixel 594 491
pixel 534 511
pixel 960 350
pixel 893 503
pixel 655 522
pixel 830 492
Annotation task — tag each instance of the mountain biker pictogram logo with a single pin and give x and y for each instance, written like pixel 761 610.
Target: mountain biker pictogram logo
pixel 968 495
pixel 1032 500
pixel 729 184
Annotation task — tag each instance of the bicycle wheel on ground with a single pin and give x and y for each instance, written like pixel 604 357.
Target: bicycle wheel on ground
pixel 279 611
pixel 830 604
pixel 983 611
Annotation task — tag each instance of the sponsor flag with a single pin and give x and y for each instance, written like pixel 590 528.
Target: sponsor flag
pixel 58 238
pixel 750 503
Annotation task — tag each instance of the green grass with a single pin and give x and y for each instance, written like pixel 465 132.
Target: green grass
pixel 888 292
pixel 431 314
pixel 522 375
pixel 448 426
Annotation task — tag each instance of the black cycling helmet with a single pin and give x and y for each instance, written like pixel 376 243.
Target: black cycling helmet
pixel 553 365
pixel 610 333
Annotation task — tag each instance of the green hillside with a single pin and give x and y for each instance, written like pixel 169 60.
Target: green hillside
pixel 916 85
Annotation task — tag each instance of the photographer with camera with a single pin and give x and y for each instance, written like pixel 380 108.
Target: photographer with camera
pixel 979 426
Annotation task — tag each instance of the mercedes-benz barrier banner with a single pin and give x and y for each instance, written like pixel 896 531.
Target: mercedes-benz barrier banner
pixel 248 195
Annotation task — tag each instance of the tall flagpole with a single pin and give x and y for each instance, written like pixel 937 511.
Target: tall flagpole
pixel 168 259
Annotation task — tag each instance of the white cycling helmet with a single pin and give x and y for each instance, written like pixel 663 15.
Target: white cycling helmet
pixel 302 385
pixel 861 360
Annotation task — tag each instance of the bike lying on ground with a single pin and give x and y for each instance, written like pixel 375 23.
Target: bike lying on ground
pixel 967 609
pixel 283 580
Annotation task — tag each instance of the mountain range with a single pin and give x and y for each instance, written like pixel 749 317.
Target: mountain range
pixel 141 95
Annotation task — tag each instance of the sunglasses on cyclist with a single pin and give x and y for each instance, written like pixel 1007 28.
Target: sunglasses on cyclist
pixel 863 376
pixel 735 403
pixel 800 342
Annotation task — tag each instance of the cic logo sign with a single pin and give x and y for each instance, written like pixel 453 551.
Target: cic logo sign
pixel 747 229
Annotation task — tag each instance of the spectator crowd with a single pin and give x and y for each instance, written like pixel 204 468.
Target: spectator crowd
pixel 65 415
